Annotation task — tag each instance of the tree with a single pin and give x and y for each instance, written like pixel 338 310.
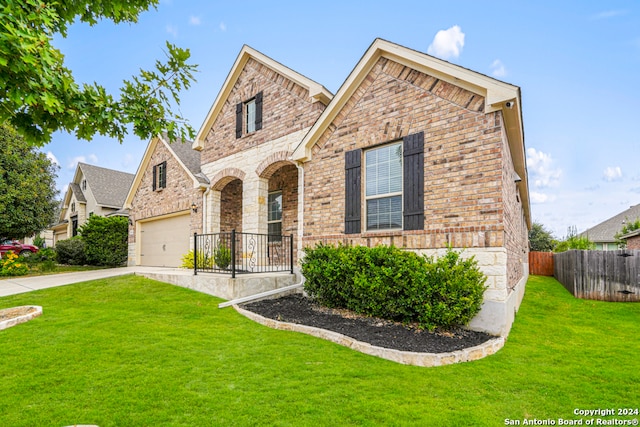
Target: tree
pixel 540 239
pixel 27 187
pixel 627 228
pixel 105 240
pixel 573 241
pixel 38 94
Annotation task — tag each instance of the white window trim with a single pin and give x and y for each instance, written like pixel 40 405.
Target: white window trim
pixel 269 210
pixel 252 101
pixel 382 196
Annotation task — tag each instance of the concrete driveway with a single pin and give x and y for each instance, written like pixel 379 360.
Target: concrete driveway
pixel 14 286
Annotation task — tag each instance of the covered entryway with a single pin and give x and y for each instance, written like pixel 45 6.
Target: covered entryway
pixel 163 241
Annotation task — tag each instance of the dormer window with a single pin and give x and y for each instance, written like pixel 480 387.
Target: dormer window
pixel 249 116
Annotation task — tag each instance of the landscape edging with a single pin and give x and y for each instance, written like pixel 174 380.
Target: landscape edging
pixel 4 324
pixel 404 357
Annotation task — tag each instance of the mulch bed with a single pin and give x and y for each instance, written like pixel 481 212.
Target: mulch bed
pixel 382 333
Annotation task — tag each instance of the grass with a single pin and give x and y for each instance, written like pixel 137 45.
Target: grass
pixel 39 270
pixel 130 351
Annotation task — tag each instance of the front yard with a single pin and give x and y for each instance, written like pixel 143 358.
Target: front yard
pixel 134 352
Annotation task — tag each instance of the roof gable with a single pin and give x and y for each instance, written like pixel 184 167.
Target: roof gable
pixel 316 91
pixel 109 187
pixel 606 230
pixel 185 155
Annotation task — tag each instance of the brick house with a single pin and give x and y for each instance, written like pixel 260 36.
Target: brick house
pixel 412 151
pixel 165 203
pixel 94 191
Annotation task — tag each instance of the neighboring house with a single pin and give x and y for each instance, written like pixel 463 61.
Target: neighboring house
pixel 165 203
pixel 632 239
pixel 93 191
pixel 603 234
pixel 412 151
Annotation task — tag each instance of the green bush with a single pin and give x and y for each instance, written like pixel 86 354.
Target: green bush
pixel 204 260
pixel 13 265
pixel 71 251
pixel 222 256
pixel 105 240
pixel 39 242
pixel 45 254
pixel 393 284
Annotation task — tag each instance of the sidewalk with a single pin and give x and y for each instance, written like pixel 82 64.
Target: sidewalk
pixel 28 284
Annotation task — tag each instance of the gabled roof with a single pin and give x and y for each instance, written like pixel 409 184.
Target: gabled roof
pixel 606 230
pixel 185 155
pixel 108 186
pixel 77 191
pixel 316 91
pixel 498 95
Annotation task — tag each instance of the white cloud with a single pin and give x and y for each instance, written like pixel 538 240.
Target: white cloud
pixel 223 26
pixel 53 158
pixel 194 20
pixel 92 158
pixel 64 189
pixel 127 160
pixel 498 69
pixel 612 173
pixel 608 14
pixel 447 43
pixel 538 197
pixel 173 30
pixel 542 170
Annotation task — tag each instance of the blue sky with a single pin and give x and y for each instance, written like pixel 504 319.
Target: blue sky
pixel 576 63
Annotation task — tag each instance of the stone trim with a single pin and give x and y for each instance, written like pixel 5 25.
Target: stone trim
pixel 403 357
pixel 225 176
pixel 272 163
pixel 4 324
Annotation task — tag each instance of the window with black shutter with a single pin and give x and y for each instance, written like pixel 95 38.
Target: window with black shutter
pixel 159 176
pixel 393 186
pixel 249 116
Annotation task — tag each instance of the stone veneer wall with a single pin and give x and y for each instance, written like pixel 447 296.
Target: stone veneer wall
pixel 178 196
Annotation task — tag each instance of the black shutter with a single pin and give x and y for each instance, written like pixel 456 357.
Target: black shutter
pixel 153 186
pixel 352 193
pixel 259 111
pixel 163 175
pixel 413 186
pixel 239 120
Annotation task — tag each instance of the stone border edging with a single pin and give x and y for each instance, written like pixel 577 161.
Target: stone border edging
pixel 4 324
pixel 404 357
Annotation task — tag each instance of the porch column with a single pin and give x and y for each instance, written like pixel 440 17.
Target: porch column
pixel 213 211
pixel 254 205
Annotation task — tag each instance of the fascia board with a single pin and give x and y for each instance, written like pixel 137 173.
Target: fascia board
pixel 194 179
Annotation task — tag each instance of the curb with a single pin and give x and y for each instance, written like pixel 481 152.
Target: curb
pixel 403 357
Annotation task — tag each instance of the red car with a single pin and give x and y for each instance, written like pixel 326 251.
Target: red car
pixel 16 247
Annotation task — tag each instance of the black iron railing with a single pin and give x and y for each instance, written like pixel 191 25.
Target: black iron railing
pixel 240 253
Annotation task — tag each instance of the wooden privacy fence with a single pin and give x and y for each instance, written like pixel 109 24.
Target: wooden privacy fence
pixel 600 275
pixel 541 263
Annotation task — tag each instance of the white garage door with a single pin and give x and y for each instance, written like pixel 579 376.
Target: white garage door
pixel 164 241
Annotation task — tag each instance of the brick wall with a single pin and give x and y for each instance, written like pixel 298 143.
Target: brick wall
pixel 285 179
pixel 231 207
pixel 463 164
pixel 633 242
pixel 178 195
pixel 286 108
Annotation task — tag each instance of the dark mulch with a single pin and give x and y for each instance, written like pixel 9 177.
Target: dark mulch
pixel 382 333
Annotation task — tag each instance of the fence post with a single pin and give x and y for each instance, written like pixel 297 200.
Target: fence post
pixel 195 254
pixel 233 253
pixel 291 251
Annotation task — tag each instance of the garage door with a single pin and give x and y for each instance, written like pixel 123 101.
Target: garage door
pixel 164 241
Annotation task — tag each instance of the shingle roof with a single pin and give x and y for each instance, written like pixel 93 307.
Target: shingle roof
pixel 77 191
pixel 606 230
pixel 109 187
pixel 188 156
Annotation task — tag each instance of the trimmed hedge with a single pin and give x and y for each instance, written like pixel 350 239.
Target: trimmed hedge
pixel 71 251
pixel 105 240
pixel 393 284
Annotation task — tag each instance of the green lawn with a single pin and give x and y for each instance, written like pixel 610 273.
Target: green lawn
pixel 130 351
pixel 37 270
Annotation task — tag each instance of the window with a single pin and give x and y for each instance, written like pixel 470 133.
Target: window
pixel 84 184
pixel 74 226
pixel 160 176
pixel 250 108
pixel 249 116
pixel 274 219
pixel 394 186
pixel 383 187
pixel 73 207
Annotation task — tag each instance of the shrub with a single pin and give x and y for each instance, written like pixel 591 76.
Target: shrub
pixel 222 256
pixel 39 242
pixel 45 254
pixel 204 260
pixel 398 285
pixel 71 251
pixel 105 240
pixel 13 265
